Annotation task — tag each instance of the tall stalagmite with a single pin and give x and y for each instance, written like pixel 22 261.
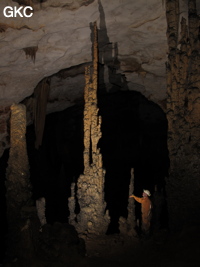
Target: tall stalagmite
pixel 183 88
pixel 93 217
pixel 18 185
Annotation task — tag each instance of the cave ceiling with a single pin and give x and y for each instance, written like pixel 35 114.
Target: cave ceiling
pixel 56 42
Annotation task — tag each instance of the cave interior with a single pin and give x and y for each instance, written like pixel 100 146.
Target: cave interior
pixel 159 140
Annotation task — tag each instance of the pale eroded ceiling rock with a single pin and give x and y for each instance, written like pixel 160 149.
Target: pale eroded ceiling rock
pixel 60 33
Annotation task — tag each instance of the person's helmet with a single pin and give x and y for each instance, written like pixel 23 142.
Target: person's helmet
pixel 147 192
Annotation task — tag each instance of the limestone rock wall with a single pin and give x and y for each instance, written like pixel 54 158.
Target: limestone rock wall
pixel 183 112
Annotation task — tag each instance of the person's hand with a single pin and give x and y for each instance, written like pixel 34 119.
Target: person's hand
pixel 131 196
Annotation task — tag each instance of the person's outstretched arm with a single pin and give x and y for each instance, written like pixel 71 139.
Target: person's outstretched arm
pixel 138 199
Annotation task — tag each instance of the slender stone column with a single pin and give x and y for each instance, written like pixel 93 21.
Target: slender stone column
pixel 127 226
pixel 18 194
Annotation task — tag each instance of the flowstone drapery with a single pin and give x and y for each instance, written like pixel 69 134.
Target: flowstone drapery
pixel 93 217
pixel 41 94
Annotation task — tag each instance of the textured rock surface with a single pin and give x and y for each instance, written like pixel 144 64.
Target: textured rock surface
pixel 183 114
pixel 59 31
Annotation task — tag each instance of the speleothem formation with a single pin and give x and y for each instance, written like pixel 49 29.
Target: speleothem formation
pixel 93 217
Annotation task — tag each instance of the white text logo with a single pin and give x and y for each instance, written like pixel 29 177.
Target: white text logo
pixel 14 11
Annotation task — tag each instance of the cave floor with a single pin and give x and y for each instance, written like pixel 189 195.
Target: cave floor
pixel 162 249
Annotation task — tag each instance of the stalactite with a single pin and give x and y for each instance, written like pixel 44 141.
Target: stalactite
pixel 93 217
pixel 127 226
pixel 183 109
pixel 41 94
pixel 31 52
